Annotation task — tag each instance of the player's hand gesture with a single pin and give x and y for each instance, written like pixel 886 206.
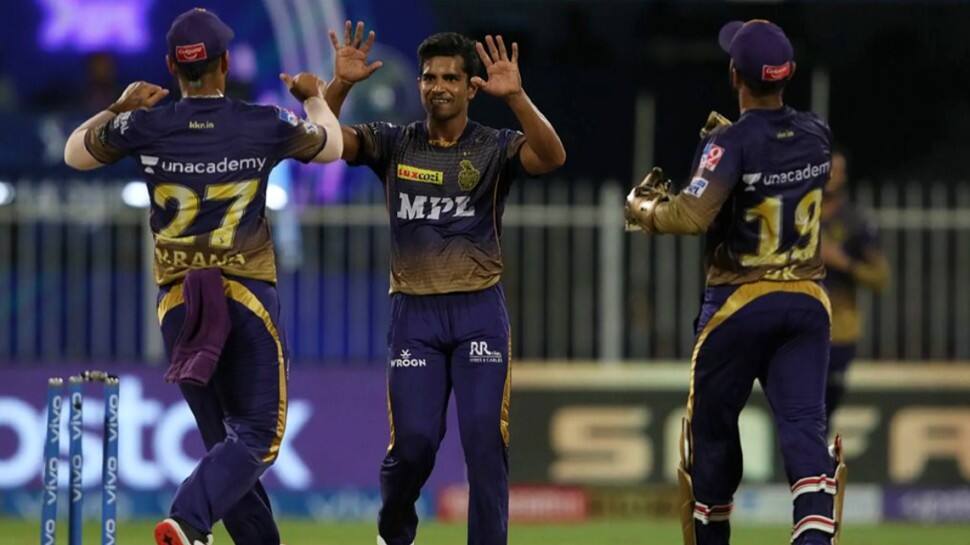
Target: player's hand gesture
pixel 504 79
pixel 304 85
pixel 139 94
pixel 350 57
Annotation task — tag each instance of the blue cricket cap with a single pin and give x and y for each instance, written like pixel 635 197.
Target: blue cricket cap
pixel 197 35
pixel 759 48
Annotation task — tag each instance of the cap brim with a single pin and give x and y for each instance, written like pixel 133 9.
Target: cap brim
pixel 727 33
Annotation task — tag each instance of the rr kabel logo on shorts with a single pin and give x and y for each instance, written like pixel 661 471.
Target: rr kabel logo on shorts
pixel 407 361
pixel 415 174
pixel 479 353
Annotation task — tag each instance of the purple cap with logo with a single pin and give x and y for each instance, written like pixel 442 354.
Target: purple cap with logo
pixel 759 48
pixel 197 35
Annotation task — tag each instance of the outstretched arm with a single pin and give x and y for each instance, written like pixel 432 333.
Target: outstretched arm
pixel 349 66
pixel 309 89
pixel 543 150
pixel 139 94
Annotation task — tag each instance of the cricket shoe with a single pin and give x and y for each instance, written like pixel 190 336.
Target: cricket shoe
pixel 172 532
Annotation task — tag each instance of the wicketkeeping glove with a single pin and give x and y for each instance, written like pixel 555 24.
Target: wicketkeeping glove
pixel 654 188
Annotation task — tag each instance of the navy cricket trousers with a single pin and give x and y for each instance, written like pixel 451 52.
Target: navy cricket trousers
pixel 437 343
pixel 779 334
pixel 241 414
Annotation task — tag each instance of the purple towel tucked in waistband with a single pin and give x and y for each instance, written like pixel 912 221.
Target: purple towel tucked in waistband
pixel 205 330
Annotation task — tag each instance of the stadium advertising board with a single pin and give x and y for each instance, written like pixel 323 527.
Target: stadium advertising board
pixel 615 429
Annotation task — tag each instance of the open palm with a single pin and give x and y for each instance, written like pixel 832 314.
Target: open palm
pixel 501 70
pixel 350 57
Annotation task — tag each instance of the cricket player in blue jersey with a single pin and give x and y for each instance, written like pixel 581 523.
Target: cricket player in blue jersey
pixel 206 160
pixel 756 195
pixel 854 260
pixel 446 180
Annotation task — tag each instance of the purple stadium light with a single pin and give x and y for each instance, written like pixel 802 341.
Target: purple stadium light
pixel 95 25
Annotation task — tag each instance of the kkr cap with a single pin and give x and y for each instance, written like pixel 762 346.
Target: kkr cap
pixel 197 35
pixel 759 48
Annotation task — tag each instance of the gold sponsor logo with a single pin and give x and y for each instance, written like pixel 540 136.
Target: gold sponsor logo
pixel 415 174
pixel 197 259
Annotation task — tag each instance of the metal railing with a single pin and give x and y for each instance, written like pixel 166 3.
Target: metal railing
pixel 74 281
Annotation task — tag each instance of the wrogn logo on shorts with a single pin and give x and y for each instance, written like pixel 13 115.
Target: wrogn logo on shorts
pixel 406 360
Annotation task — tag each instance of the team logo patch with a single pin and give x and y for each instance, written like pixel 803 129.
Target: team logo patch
pixel 468 176
pixel 712 156
pixel 288 117
pixel 775 73
pixel 415 174
pixel 697 187
pixel 190 53
pixel 479 353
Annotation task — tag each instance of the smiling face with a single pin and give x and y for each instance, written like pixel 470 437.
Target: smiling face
pixel 445 88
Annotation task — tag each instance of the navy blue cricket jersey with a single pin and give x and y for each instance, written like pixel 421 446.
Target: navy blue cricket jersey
pixel 206 162
pixel 445 203
pixel 757 185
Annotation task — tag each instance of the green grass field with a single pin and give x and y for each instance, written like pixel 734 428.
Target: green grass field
pixel 20 532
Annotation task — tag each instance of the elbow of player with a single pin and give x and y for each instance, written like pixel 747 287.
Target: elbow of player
pixel 76 154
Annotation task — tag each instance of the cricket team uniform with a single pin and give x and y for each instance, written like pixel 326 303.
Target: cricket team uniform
pixel 449 325
pixel 848 228
pixel 206 163
pixel 757 185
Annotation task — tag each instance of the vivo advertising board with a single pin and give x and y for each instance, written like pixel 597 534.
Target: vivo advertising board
pixel 336 437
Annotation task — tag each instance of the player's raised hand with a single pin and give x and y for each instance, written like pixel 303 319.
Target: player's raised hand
pixel 304 85
pixel 350 56
pixel 502 71
pixel 139 94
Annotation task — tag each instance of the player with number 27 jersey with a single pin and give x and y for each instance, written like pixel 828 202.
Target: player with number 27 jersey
pixel 207 162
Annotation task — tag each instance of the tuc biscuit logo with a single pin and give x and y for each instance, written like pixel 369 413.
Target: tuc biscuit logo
pixel 415 174
pixel 190 53
pixel 712 156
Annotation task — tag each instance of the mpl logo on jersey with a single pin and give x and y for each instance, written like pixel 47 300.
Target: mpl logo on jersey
pixel 480 353
pixel 407 360
pixel 417 207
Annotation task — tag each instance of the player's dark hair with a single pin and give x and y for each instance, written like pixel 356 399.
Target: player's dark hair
pixel 193 72
pixel 450 44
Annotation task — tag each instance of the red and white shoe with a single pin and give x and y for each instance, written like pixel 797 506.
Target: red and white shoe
pixel 170 532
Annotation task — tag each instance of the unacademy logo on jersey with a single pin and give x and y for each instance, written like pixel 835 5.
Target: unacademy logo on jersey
pixel 808 172
pixel 407 361
pixel 215 167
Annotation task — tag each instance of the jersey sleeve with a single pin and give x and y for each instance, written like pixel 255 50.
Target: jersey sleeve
pixel 716 170
pixel 296 138
pixel 511 142
pixel 119 137
pixel 376 145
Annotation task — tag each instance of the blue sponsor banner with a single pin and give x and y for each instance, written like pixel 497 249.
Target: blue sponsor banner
pixel 336 437
pixel 927 504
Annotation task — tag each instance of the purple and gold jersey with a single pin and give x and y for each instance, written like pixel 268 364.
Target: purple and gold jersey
pixel 857 236
pixel 206 162
pixel 757 186
pixel 445 203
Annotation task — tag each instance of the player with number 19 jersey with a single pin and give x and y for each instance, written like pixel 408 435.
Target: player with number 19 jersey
pixel 207 162
pixel 756 193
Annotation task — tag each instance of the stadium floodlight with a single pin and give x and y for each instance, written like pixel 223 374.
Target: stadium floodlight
pixel 276 197
pixel 7 193
pixel 135 194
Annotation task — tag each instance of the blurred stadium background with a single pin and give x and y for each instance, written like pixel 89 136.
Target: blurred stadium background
pixel 601 319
